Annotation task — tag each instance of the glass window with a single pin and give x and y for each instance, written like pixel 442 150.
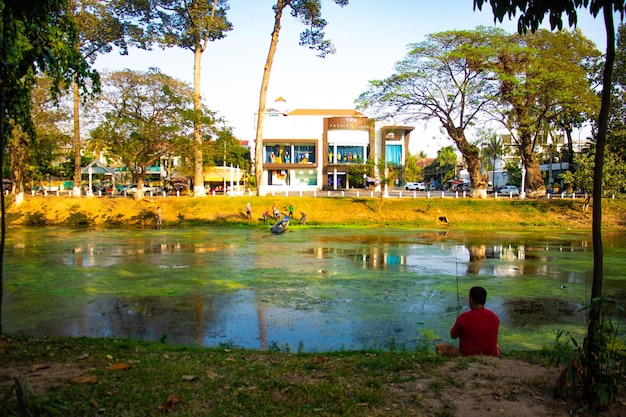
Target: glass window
pixel 304 154
pixel 289 154
pixel 278 177
pixel 350 154
pixel 306 177
pixel 393 154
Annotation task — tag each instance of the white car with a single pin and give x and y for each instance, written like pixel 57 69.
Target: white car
pixel 415 186
pixel 509 190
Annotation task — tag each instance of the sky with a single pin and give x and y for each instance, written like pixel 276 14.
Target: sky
pixel 370 37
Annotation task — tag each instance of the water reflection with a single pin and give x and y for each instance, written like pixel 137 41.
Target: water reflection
pixel 320 288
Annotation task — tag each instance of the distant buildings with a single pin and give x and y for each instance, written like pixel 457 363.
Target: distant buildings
pixel 313 149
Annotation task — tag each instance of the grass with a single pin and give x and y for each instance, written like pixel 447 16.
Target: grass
pixel 220 381
pixel 321 211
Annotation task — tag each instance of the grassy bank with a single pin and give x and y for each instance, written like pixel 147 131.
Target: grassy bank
pixel 81 377
pixel 321 211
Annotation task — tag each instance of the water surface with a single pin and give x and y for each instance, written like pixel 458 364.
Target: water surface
pixel 313 289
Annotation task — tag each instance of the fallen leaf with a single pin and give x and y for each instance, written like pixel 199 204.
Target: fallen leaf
pixel 168 405
pixel 189 377
pixel 38 367
pixel 109 357
pixel 118 367
pixel 211 375
pixel 84 379
pixel 83 356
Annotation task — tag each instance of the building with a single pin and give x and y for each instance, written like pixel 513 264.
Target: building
pixel 313 149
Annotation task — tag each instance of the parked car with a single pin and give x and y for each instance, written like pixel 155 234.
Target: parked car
pixel 509 190
pixel 147 189
pixel 415 186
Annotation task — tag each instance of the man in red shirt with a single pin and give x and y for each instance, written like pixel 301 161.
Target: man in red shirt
pixel 477 329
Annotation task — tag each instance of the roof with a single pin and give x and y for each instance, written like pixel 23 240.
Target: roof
pixel 97 167
pixel 326 112
pixel 218 174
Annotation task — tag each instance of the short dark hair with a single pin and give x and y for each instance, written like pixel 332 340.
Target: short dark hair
pixel 478 294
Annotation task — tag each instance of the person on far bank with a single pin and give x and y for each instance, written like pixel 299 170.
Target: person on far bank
pixel 477 329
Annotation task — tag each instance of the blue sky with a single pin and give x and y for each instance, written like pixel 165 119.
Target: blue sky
pixel 370 37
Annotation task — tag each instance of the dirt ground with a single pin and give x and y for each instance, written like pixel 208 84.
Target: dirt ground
pixel 481 388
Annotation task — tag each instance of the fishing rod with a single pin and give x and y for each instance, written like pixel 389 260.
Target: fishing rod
pixel 456 272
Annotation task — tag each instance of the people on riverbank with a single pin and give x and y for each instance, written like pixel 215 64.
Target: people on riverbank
pixel 477 329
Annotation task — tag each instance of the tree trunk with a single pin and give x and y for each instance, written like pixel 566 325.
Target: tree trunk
pixel 258 143
pixel 534 184
pixel 2 207
pixel 77 159
pixel 198 170
pixel 470 157
pixel 593 345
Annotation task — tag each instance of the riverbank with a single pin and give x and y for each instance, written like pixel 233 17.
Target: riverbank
pixel 106 377
pixel 422 212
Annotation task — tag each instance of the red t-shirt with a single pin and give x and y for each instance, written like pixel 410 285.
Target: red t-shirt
pixel 478 332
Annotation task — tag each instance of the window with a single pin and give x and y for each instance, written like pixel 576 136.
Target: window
pixel 289 154
pixel 304 154
pixel 354 154
pixel 393 154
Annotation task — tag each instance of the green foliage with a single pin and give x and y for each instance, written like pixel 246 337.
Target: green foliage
pixel 35 405
pixel 593 378
pixel 613 178
pixel 37 218
pixel 356 176
pixel 78 219
pixel 146 118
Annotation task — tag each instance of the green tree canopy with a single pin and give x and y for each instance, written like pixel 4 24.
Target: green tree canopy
pixel 148 116
pixel 441 79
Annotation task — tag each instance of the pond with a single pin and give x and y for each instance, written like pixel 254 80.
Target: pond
pixel 309 289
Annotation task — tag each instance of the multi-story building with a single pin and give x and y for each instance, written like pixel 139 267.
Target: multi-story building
pixel 313 149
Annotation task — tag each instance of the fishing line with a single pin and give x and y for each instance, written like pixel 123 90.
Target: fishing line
pixel 456 273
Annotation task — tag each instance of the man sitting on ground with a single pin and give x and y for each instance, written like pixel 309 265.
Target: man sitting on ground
pixel 477 329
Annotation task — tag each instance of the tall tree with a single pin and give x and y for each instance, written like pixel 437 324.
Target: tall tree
pixel 30 160
pixel 100 26
pixel 542 79
pixel 309 12
pixel 440 79
pixel 147 117
pixel 532 14
pixel 38 36
pixel 191 25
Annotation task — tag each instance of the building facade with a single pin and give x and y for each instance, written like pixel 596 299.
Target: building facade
pixel 313 149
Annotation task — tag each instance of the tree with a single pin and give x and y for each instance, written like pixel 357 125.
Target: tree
pixel 38 36
pixel 227 150
pixel 439 79
pixel 30 160
pixel 309 12
pixel 192 25
pixel 531 16
pixel 148 116
pixel 616 135
pixel 98 29
pixel 542 79
pixel 413 171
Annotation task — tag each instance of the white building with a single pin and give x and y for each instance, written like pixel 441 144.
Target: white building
pixel 313 149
